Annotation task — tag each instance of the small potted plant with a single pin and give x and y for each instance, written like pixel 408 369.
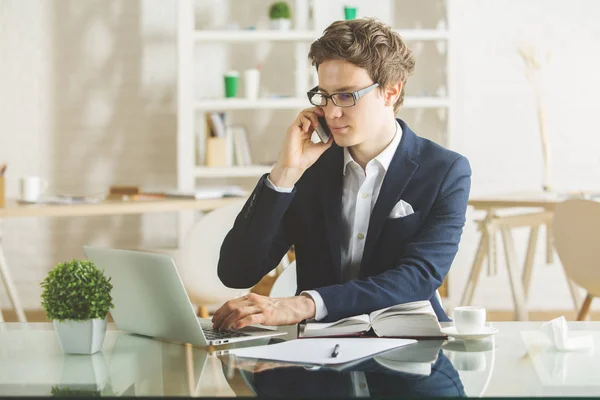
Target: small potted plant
pixel 76 296
pixel 280 16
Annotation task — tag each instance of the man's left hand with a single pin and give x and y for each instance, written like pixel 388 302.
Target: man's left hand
pixel 256 309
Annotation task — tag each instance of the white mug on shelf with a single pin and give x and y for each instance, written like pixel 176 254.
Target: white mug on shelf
pixel 32 187
pixel 469 319
pixel 251 83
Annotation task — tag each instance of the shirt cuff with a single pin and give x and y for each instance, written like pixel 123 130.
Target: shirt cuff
pixel 277 188
pixel 320 308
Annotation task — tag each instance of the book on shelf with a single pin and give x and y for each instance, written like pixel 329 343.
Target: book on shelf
pixel 217 124
pixel 408 320
pixel 241 145
pixel 226 145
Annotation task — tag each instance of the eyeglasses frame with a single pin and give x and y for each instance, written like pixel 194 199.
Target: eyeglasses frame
pixel 355 95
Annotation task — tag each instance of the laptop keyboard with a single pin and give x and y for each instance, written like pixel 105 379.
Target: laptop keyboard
pixel 212 334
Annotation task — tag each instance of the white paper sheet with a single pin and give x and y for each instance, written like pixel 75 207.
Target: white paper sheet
pixel 318 351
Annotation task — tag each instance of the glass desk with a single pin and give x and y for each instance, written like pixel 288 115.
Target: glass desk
pixel 518 361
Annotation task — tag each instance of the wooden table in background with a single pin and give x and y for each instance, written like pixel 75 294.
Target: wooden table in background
pixel 14 209
pixel 541 206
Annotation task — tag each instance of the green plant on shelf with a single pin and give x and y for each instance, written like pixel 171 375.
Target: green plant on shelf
pixel 279 10
pixel 76 290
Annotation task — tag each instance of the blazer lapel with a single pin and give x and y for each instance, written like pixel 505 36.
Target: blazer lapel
pixel 331 198
pixel 396 179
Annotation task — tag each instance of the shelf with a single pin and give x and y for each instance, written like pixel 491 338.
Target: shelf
pixel 272 35
pixel 244 104
pixel 298 104
pixel 232 172
pixel 254 35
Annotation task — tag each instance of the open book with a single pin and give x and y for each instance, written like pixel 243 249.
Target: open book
pixel 409 320
pixel 415 359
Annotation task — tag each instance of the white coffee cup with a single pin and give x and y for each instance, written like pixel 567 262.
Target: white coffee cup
pixel 251 83
pixel 32 187
pixel 467 361
pixel 469 319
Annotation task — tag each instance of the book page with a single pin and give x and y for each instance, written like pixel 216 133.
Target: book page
pixel 415 307
pixel 318 351
pixel 357 320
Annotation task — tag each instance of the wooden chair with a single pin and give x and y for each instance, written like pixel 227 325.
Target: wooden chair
pixel 576 229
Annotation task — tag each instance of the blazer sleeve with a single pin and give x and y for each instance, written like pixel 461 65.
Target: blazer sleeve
pixel 257 241
pixel 425 263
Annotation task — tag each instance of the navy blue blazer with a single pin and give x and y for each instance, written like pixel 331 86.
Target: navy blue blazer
pixel 405 259
pixel 444 381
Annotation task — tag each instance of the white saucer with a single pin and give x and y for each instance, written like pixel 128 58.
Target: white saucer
pixel 486 332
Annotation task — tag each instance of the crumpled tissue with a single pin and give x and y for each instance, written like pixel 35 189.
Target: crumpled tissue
pixel 557 331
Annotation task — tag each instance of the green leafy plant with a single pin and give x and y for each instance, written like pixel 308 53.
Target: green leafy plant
pixel 82 391
pixel 280 9
pixel 57 391
pixel 76 290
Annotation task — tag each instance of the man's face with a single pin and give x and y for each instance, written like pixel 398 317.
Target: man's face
pixel 350 126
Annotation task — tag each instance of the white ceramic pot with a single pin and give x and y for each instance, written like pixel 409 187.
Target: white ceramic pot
pixel 281 24
pixel 84 372
pixel 81 337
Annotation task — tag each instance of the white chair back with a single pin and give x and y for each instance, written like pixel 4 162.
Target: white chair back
pixel 285 285
pixel 577 241
pixel 200 255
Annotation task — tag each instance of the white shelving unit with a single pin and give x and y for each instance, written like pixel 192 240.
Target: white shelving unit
pixel 254 36
pixel 246 171
pixel 307 36
pixel 304 33
pixel 297 104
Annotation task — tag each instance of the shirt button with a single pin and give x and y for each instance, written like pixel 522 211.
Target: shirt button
pixel 365 195
pixel 360 236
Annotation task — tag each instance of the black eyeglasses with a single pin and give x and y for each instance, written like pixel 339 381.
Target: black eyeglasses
pixel 346 99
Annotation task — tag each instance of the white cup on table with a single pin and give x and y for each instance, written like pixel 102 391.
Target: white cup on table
pixel 469 319
pixel 32 187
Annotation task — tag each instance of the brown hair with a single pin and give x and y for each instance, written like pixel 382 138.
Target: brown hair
pixel 369 44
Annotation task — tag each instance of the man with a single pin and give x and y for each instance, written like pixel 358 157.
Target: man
pixel 366 379
pixel 375 214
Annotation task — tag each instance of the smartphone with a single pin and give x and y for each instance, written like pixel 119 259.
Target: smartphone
pixel 323 130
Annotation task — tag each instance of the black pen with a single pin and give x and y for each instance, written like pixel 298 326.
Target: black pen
pixel 336 351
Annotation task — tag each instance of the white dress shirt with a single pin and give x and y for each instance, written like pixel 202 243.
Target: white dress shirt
pixel 360 189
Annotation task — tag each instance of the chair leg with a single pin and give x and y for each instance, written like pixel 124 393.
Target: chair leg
pixel 202 312
pixel 585 308
pixel 482 250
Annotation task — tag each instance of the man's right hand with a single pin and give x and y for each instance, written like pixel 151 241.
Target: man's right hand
pixel 299 152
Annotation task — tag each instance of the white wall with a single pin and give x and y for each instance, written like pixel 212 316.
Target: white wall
pixel 496 124
pixel 87 99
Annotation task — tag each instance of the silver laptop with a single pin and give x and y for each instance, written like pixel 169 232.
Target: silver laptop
pixel 150 299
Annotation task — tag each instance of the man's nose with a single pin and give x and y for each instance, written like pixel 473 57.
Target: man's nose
pixel 332 111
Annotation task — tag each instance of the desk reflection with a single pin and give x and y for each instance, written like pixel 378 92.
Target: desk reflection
pixel 369 378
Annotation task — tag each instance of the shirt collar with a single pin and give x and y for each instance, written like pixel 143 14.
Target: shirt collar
pixel 385 157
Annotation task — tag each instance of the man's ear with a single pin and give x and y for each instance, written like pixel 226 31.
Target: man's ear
pixel 391 93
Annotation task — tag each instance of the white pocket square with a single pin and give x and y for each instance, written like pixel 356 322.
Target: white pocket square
pixel 401 209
